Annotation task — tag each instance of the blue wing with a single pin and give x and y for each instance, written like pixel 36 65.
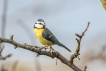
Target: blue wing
pixel 47 34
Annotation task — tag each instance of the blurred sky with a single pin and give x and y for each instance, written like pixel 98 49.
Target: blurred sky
pixel 63 17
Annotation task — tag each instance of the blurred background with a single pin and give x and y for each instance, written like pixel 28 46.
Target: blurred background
pixel 64 18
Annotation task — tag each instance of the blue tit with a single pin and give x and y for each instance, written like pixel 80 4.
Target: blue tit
pixel 45 36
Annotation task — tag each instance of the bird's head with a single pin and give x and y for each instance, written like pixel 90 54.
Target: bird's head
pixel 40 24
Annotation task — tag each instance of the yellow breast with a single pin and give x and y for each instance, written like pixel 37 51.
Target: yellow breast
pixel 41 39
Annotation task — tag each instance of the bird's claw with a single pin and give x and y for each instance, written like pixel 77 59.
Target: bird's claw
pixel 46 47
pixel 52 51
pixel 40 49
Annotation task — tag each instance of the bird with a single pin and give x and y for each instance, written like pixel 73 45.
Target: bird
pixel 45 36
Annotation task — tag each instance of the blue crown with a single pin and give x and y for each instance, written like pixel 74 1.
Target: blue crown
pixel 40 20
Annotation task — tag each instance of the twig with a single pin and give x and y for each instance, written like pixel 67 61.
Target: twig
pixel 1 49
pixel 3 57
pixel 85 29
pixel 85 68
pixel 47 53
pixel 75 55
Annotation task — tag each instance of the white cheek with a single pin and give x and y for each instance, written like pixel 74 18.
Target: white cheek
pixel 41 22
pixel 38 26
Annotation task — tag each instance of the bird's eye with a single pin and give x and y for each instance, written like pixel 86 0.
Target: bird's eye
pixel 40 23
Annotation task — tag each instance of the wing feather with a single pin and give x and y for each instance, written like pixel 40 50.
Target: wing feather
pixel 47 34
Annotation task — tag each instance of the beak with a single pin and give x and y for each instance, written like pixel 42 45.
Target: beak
pixel 43 24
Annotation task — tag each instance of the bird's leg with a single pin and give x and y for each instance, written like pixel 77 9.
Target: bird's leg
pixel 46 47
pixel 51 49
pixel 40 48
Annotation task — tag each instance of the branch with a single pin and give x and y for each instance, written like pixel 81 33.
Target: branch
pixel 85 68
pixel 36 49
pixel 1 49
pixel 75 55
pixel 5 57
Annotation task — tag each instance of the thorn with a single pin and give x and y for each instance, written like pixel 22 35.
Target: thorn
pixel 56 61
pixel 77 40
pixel 37 55
pixel 26 44
pixel 85 68
pixel 77 35
pixel 11 37
pixel 15 46
pixel 78 57
pixel 9 55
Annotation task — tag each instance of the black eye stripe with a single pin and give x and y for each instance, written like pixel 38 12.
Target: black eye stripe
pixel 41 23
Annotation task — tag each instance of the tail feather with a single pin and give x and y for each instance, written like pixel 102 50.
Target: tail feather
pixel 60 44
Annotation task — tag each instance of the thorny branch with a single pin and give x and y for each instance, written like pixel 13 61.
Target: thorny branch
pixel 85 68
pixel 48 53
pixel 75 55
